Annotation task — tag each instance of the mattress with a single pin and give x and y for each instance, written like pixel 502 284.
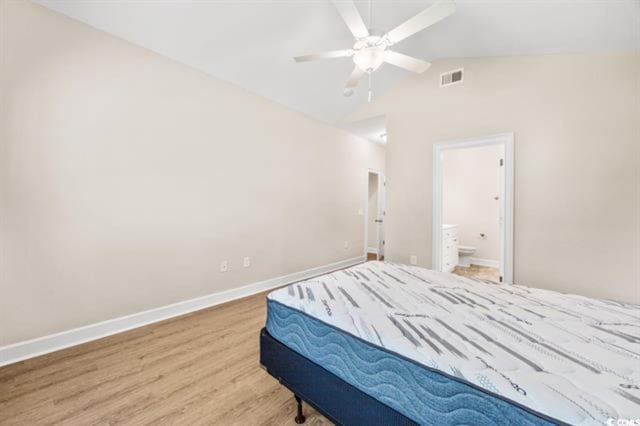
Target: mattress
pixel 438 346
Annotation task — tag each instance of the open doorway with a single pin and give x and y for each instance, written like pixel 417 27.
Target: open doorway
pixel 473 207
pixel 375 215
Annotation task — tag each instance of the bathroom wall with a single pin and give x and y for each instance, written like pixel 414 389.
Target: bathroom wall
pixel 471 181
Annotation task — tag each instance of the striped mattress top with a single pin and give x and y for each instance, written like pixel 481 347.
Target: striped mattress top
pixel 569 357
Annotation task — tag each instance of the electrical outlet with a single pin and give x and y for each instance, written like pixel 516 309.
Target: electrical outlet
pixel 224 266
pixel 414 259
pixel 246 262
pixel 346 245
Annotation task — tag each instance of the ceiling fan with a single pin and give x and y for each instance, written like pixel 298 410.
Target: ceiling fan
pixel 372 47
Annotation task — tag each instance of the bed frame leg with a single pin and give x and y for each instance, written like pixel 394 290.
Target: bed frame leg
pixel 300 418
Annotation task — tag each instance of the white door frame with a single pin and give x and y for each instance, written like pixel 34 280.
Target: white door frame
pixel 506 141
pixel 366 211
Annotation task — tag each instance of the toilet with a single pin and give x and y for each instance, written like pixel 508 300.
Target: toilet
pixel 464 255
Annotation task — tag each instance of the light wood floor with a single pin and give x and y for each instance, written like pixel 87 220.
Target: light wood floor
pixel 201 368
pixel 373 256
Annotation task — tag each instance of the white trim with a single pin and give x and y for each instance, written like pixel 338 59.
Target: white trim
pixel 367 249
pixel 490 263
pixel 505 140
pixel 373 250
pixel 53 342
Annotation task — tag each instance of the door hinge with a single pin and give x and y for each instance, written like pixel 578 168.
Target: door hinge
pixel 501 162
pixel 500 278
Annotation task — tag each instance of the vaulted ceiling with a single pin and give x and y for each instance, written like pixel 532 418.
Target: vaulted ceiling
pixel 251 43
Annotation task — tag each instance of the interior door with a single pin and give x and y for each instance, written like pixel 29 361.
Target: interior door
pixel 381 215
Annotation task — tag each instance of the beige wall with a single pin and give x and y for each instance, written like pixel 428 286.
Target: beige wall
pixel 125 178
pixel 372 226
pixel 576 120
pixel 471 181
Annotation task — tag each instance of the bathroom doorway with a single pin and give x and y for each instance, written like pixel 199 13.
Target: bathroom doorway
pixel 374 216
pixel 473 207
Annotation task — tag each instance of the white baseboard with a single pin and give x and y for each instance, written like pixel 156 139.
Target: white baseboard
pixel 485 262
pixel 54 342
pixel 372 250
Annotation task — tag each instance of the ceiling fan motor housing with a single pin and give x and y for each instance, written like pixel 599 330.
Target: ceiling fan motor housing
pixel 370 51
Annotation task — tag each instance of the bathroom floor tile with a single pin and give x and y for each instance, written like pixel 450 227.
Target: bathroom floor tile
pixel 480 272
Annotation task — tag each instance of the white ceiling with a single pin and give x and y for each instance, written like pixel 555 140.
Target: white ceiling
pixel 251 43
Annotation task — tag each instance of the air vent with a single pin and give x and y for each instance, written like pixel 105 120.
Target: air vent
pixel 451 77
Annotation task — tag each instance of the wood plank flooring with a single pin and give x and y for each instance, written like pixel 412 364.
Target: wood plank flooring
pixel 373 256
pixel 198 369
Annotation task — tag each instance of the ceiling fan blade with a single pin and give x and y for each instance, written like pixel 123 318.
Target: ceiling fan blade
pixel 353 81
pixel 351 17
pixel 324 55
pixel 407 62
pixel 422 20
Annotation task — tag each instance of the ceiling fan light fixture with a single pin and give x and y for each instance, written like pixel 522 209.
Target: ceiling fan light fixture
pixel 369 59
